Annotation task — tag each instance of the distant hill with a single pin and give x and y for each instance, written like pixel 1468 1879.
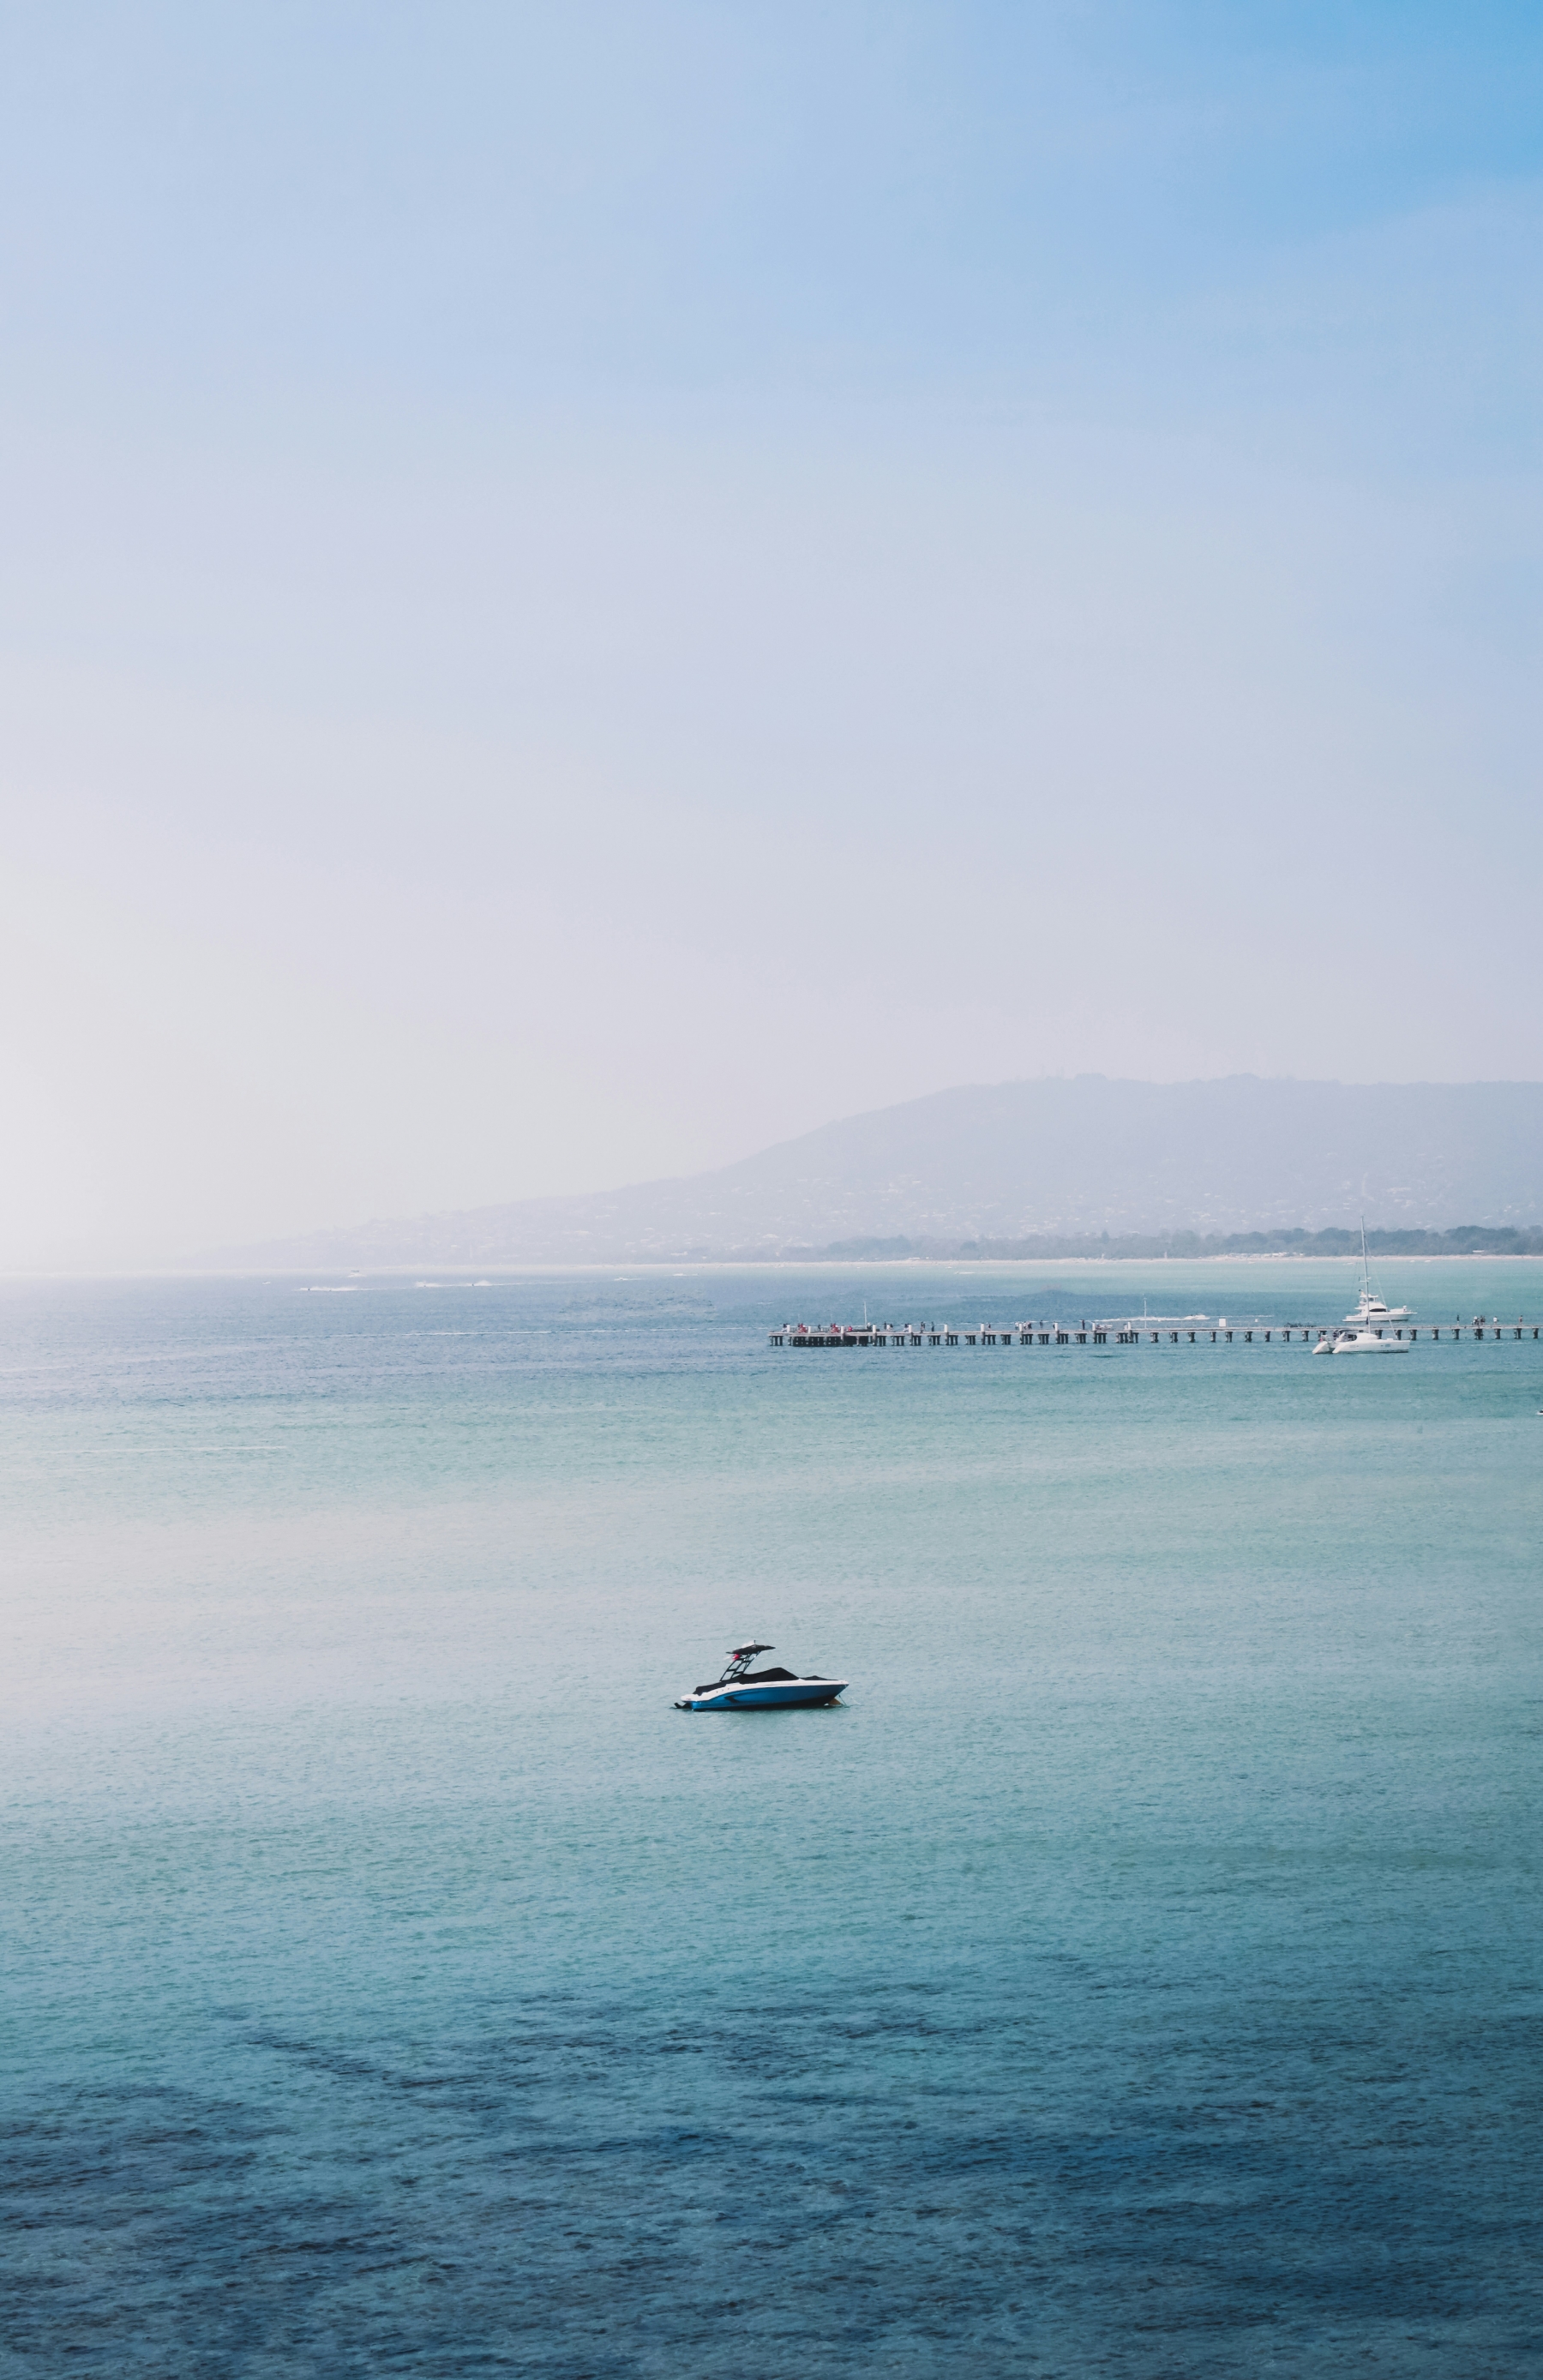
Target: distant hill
pixel 1037 1168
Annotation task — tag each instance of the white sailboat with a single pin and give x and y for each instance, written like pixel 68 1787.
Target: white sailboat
pixel 1371 1314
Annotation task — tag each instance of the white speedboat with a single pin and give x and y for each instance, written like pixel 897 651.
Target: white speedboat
pixel 1371 1314
pixel 742 1688
pixel 1360 1343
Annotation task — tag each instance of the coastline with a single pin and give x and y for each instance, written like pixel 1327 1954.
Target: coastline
pixel 477 1275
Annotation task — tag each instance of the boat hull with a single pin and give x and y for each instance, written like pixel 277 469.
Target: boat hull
pixel 786 1693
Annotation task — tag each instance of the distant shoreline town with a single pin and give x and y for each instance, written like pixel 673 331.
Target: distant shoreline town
pixel 1465 1240
pixel 1190 1247
pixel 353 1255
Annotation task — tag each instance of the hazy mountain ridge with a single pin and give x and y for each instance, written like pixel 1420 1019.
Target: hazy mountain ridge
pixel 1035 1168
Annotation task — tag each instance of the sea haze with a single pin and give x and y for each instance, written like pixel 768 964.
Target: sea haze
pixel 1005 1161
pixel 1138 1976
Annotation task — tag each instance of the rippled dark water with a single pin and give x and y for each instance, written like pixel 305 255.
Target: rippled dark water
pixel 1139 1975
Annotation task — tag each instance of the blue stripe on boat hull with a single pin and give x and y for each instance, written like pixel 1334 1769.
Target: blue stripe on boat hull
pixel 799 1694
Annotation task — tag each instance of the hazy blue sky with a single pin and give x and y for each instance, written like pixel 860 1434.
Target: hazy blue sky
pixel 588 587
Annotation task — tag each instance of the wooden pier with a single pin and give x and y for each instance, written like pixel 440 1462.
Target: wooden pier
pixel 1095 1334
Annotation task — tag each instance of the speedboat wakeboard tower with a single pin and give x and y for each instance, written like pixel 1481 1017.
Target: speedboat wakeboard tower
pixel 742 1688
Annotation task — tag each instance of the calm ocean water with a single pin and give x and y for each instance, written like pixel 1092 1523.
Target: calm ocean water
pixel 1138 1976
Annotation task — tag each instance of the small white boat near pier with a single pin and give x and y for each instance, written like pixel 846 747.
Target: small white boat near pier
pixel 1360 1343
